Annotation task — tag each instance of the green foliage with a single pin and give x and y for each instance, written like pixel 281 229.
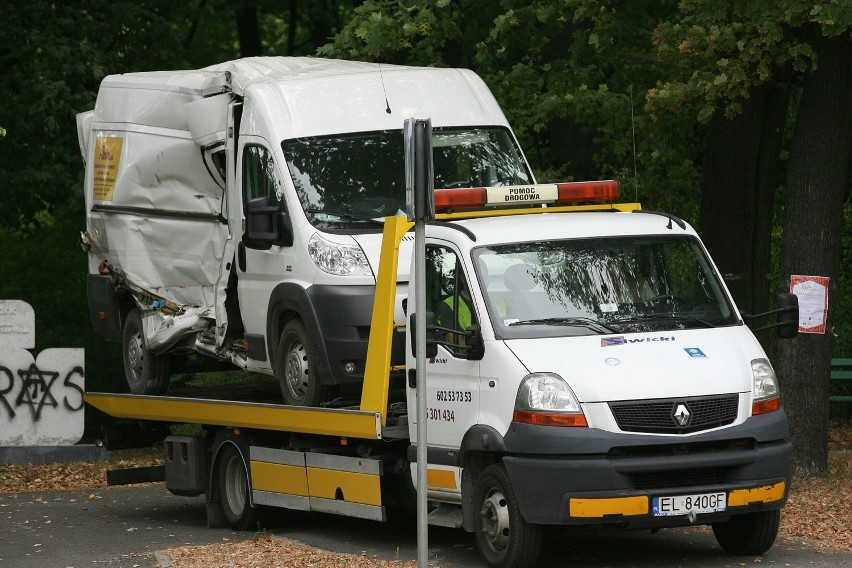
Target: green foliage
pixel 842 329
pixel 428 32
pixel 55 57
pixel 724 49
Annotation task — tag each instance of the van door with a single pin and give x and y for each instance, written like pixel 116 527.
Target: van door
pixel 260 264
pixel 452 377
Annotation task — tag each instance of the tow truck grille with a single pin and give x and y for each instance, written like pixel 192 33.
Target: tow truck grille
pixel 675 416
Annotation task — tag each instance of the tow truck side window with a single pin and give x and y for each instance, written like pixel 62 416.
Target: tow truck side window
pixel 448 297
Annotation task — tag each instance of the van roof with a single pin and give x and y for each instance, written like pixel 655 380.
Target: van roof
pixel 317 96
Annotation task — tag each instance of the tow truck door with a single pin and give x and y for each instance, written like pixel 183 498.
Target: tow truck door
pixel 452 377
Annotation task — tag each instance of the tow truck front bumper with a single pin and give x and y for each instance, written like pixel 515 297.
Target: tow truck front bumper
pixel 615 477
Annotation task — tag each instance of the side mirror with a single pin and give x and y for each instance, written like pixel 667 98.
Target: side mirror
pixel 787 324
pixel 476 348
pixel 431 343
pixel 788 315
pixel 266 225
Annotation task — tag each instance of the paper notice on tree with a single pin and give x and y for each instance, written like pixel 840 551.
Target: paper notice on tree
pixel 812 292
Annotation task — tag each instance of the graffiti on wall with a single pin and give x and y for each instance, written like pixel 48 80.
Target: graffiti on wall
pixel 41 398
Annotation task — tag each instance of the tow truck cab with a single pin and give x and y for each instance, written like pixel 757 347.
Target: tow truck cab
pixel 592 369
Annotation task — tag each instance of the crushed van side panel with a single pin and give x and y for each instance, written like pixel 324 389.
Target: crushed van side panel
pixel 154 210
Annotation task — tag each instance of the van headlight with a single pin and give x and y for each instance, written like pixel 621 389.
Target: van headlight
pixel 764 389
pixel 339 259
pixel 545 399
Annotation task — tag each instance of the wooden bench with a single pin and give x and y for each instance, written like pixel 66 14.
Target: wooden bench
pixel 841 370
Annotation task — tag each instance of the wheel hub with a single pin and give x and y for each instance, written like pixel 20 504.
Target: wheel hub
pixel 235 486
pixel 495 521
pixel 134 356
pixel 296 371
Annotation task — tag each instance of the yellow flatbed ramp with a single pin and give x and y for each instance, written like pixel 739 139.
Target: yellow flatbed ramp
pixel 349 423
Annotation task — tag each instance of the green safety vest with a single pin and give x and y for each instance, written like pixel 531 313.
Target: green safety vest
pixel 463 316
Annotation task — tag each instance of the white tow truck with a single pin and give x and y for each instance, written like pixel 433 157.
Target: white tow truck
pixel 588 368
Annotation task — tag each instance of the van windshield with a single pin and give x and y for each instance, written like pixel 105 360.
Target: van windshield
pixel 347 181
pixel 601 286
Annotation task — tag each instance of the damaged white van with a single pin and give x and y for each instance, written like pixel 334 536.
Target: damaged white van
pixel 234 213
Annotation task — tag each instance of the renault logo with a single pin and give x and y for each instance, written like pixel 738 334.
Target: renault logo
pixel 681 415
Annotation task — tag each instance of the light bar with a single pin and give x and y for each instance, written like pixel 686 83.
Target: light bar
pixel 513 195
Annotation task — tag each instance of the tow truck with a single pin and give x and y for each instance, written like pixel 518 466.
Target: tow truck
pixel 601 377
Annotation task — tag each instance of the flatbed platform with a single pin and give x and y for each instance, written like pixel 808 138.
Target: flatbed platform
pixel 341 422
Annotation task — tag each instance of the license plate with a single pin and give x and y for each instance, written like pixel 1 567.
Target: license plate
pixel 685 504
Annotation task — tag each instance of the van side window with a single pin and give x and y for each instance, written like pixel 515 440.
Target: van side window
pixel 448 296
pixel 259 178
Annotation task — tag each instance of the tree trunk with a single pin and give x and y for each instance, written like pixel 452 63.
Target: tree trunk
pixel 248 29
pixel 738 192
pixel 817 178
pixel 292 26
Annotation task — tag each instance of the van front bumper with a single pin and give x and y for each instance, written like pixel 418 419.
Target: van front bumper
pixel 750 463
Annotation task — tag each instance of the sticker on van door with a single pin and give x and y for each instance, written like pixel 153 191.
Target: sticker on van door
pixel 107 158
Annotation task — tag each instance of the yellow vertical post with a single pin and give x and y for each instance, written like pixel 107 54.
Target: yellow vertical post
pixel 374 396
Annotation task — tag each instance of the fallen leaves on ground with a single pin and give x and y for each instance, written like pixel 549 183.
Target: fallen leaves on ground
pixel 70 476
pixel 819 510
pixel 270 552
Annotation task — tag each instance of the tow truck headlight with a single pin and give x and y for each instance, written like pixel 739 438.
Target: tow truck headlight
pixel 765 396
pixel 545 399
pixel 339 259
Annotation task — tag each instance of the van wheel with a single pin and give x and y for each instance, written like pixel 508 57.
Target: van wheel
pixel 296 368
pixel 146 373
pixel 749 534
pixel 503 537
pixel 234 490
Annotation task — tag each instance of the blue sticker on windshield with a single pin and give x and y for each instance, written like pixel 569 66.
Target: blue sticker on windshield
pixel 694 352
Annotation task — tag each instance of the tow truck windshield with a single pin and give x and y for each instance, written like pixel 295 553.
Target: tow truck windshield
pixel 345 181
pixel 601 286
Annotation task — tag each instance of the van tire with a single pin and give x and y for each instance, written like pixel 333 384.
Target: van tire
pixel 145 372
pixel 503 537
pixel 296 367
pixel 749 534
pixel 234 489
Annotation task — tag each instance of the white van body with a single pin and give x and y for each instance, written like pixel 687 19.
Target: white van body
pixel 165 154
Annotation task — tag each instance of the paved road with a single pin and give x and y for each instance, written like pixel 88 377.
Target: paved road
pixel 123 526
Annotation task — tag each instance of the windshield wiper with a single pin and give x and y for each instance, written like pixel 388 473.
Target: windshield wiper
pixel 664 317
pixel 346 215
pixel 590 323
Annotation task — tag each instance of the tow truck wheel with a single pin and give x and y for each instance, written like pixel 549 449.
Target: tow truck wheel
pixel 296 367
pixel 146 373
pixel 234 490
pixel 749 534
pixel 503 537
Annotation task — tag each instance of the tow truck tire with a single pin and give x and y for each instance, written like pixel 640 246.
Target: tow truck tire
pixel 749 534
pixel 234 490
pixel 296 367
pixel 503 537
pixel 146 373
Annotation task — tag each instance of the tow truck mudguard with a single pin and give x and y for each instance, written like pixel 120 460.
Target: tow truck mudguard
pixel 337 319
pixel 604 477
